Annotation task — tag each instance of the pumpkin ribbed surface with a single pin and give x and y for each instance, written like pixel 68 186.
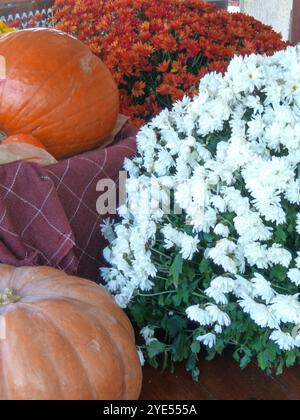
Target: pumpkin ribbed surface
pixel 23 138
pixel 63 338
pixel 54 88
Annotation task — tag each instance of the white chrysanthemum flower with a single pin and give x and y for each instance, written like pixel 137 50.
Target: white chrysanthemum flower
pixel 222 230
pixel 223 254
pixel 218 203
pixel 132 167
pixel 235 201
pixel 224 284
pixel 148 334
pixel 187 244
pixel 218 316
pixel 292 193
pixel 257 255
pixel 195 313
pixel 259 313
pixel 297 260
pixel 107 255
pixel 218 329
pixel 209 220
pixel 268 203
pixel 163 163
pixel 286 308
pixel 107 230
pixel 262 288
pixel 251 228
pixel 218 296
pixel 141 357
pixel 284 340
pixel 209 340
pixel 277 255
pixel 243 288
pixel 298 224
pixel 124 297
pixel 294 276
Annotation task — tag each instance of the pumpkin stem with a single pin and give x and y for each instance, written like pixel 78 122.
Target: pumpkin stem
pixel 9 296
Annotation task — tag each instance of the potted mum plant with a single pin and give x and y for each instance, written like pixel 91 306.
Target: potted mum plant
pixel 158 51
pixel 222 267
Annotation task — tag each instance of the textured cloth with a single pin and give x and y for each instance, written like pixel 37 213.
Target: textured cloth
pixel 48 215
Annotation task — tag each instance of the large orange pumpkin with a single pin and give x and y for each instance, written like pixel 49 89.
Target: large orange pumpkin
pixel 54 88
pixel 63 338
pixel 23 138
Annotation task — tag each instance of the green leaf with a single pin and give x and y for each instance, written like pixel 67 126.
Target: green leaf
pixel 209 238
pixel 155 348
pixel 191 363
pixel 212 143
pixel 246 359
pixel 291 358
pixel 248 115
pixel 211 355
pixel 176 269
pixel 266 358
pixel 236 356
pixel 280 367
pixel 204 266
pixel 280 235
pixel 173 325
pixel 137 313
pixel 220 346
pixel 166 360
pixel 153 363
pixel 262 361
pixel 161 300
pixel 279 273
pixel 188 229
pixel 180 348
pixel 177 300
pixel 195 347
pixel 230 216
pixel 196 374
pixel 272 353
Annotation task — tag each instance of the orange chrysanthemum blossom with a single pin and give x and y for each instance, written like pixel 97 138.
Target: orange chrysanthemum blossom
pixel 138 89
pixel 158 51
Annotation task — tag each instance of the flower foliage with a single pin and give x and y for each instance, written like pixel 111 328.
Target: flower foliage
pixel 158 51
pixel 225 270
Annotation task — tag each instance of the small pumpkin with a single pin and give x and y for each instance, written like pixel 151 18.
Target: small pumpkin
pixel 23 138
pixel 53 88
pixel 63 338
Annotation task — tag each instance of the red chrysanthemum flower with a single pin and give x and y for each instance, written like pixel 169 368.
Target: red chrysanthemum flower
pixel 158 51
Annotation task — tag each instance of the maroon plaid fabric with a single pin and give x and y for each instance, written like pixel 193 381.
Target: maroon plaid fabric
pixel 48 215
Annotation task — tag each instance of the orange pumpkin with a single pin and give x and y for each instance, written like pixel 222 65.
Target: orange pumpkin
pixel 24 138
pixel 63 338
pixel 53 88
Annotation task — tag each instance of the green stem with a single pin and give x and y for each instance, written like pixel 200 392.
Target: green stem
pixel 284 289
pixel 157 294
pixel 200 295
pixel 161 278
pixel 160 253
pixel 8 297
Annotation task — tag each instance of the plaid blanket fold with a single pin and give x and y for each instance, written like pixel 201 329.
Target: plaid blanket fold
pixel 48 215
